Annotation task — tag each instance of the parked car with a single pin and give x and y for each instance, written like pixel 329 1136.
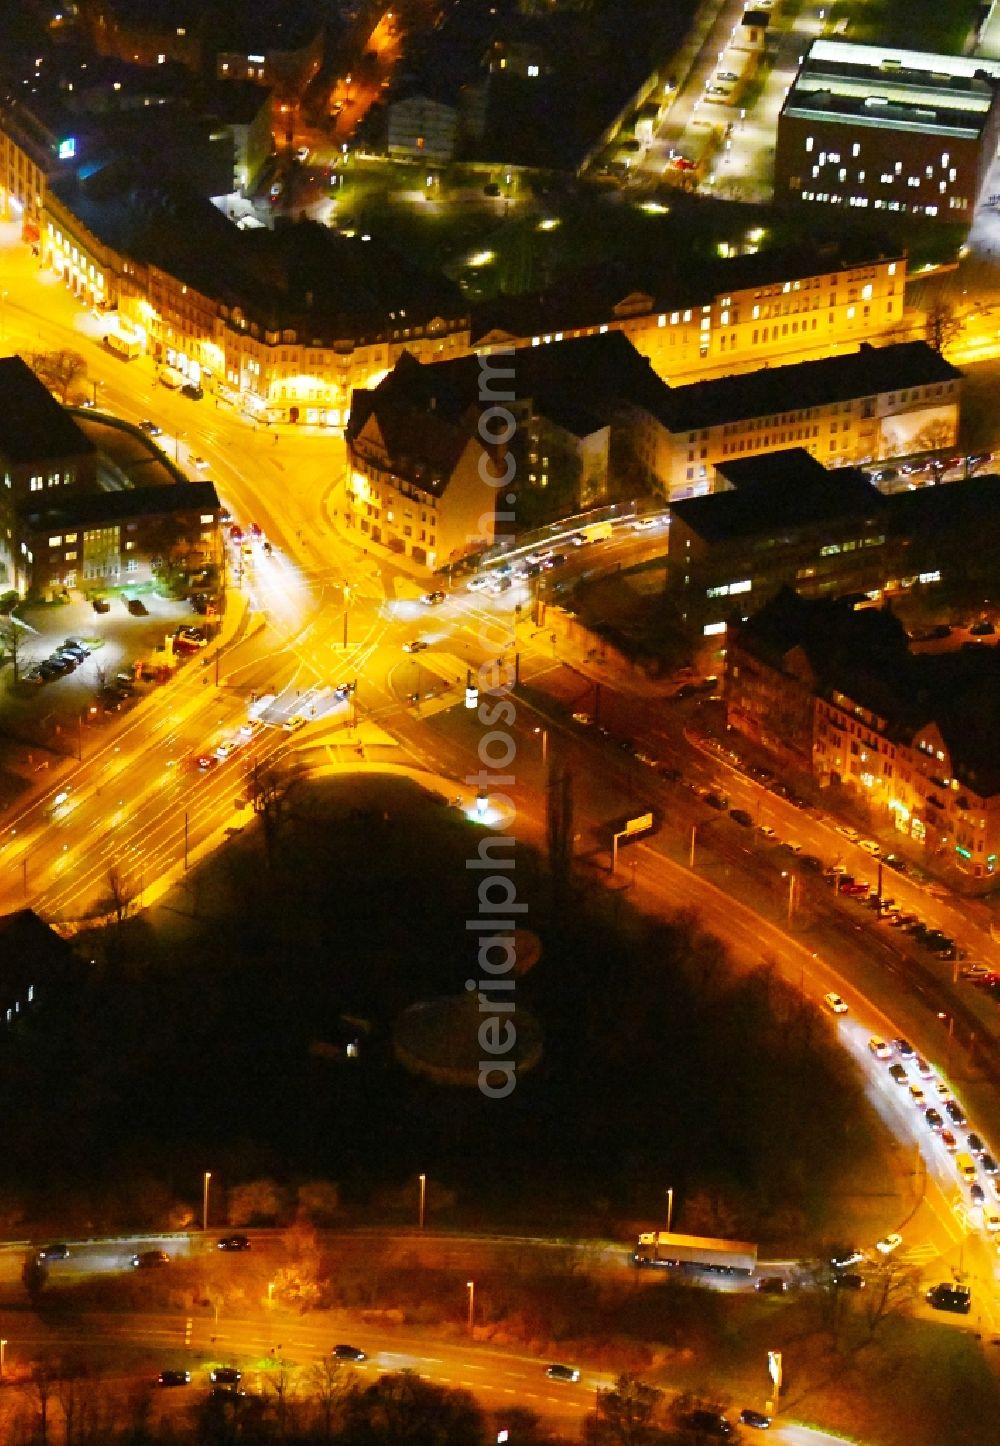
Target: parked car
pixel 755 1419
pixel 233 1242
pixel 348 1353
pixel 174 1378
pixel 948 1296
pixel 100 605
pixel 849 1280
pixel 889 1244
pixel 191 391
pixel 54 1252
pixel 137 607
pixel 740 816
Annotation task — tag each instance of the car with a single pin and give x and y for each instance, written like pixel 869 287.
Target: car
pixel 302 154
pixel 834 1003
pixel 848 832
pixel 949 1296
pixel 811 862
pixel 771 1285
pixel 225 750
pixel 934 1118
pixel 988 1164
pixel 54 1252
pixel 879 1048
pixel 415 645
pixel 100 605
pixel 647 758
pixel 898 1074
pixel 110 700
pixel 431 599
pixel 562 1373
pixel 192 635
pixel 889 1243
pixel 917 1096
pixel 790 847
pixel 150 428
pixel 855 888
pixel 955 1112
pixel 923 1068
pixel 903 1048
pixel 293 724
pixel 949 1141
pixel 233 1242
pixel 991 1219
pixel 849 1280
pixel 585 720
pixel 477 583
pixel 756 1419
pixel 123 684
pixel 726 76
pixel 72 645
pixel 707 1423
pixel 716 800
pixel 766 831
pixel 150 1259
pixel 174 1378
pixel 205 762
pixel 974 1145
pixel 844 1259
pixel 348 1353
pixel 740 816
pixel 976 971
pixel 870 846
pixel 976 1193
pixel 137 607
pixel 199 463
pixel 193 392
pixel 982 629
pixel 225 1376
pixel 942 1090
pixel 225 1393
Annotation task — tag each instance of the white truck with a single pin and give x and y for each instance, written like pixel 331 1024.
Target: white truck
pixel 667 1251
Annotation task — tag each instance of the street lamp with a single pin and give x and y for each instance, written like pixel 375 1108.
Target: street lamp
pixel 470 1286
pixel 423 1201
pixel 545 742
pixel 3 1343
pixel 670 1208
pixel 204 1200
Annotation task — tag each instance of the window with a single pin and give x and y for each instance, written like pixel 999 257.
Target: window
pixel 55 541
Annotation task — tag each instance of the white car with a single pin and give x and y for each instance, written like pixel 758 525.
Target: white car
pixel 923 1068
pixel 477 583
pixel 584 719
pixel 991 1218
pixel 224 750
pixel 200 463
pixel 848 832
pixel 302 154
pixel 292 725
pixel 917 1096
pixel 870 846
pixel 879 1048
pixel 766 831
pixel 889 1243
pixel 834 1003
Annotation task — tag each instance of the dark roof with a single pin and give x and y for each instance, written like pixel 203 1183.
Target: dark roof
pixel 81 508
pixel 864 655
pixel 579 384
pixel 591 297
pixel 783 490
pixel 33 426
pixel 769 390
pixel 26 943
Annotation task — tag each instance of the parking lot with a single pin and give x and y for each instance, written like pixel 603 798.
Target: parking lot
pixel 121 656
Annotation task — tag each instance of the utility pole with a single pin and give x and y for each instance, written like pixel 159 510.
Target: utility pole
pixel 185 840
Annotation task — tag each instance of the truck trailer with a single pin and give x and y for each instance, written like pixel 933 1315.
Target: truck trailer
pixel 666 1251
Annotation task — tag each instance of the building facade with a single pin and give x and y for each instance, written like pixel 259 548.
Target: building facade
pixel 422 129
pixel 835 694
pixel 875 128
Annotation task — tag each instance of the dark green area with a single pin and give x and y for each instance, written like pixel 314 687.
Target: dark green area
pixel 930 25
pixel 181 1048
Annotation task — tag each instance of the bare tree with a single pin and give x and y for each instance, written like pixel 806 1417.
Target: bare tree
pixel 892 1289
pixel 12 641
pixel 942 326
pixel 121 895
pixel 59 370
pixel 267 789
pixel 625 1415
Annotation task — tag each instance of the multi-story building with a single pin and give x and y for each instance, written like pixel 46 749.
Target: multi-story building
pixel 780 520
pixel 43 453
pixel 577 411
pixel 835 693
pixel 736 315
pixel 876 402
pixel 875 128
pixel 423 129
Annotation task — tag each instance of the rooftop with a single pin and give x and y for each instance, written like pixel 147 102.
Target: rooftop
pixel 872 86
pixel 82 508
pixel 33 426
pixel 763 393
pixel 777 491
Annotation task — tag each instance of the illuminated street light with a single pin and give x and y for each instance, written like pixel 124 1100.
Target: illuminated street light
pixel 670 1208
pixel 3 1356
pixel 423 1201
pixel 470 1286
pixel 204 1200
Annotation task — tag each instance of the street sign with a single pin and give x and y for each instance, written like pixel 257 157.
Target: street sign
pixel 639 825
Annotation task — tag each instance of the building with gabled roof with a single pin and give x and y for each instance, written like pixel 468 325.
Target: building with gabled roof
pixel 836 692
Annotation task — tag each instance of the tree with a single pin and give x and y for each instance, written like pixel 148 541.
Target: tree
pixel 400 1409
pixel 258 1202
pixel 624 1415
pixel 942 327
pixel 120 897
pixel 267 789
pixel 11 640
pixel 892 1289
pixel 59 370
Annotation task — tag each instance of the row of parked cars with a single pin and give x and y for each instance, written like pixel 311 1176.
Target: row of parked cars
pixel 64 659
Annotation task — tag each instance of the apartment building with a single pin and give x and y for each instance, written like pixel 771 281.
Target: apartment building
pixel 875 402
pixel 736 315
pixel 836 693
pixel 871 127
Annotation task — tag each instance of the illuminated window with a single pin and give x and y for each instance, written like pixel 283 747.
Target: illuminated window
pixel 55 541
pixel 809 143
pixel 713 629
